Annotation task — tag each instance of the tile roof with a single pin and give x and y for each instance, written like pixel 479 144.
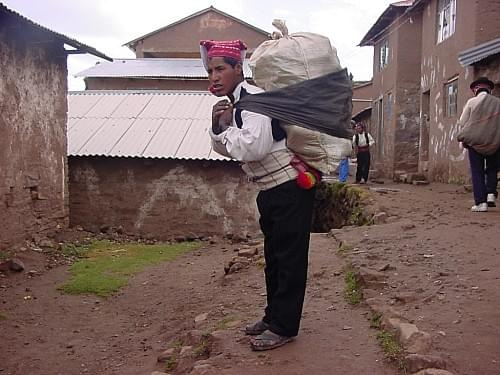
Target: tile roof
pixel 146 124
pixel 189 68
pixel 63 38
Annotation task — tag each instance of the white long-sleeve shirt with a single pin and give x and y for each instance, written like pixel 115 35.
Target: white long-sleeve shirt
pixel 266 160
pixel 471 104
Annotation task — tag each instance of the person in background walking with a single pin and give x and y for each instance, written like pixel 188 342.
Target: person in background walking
pixel 483 168
pixel 361 142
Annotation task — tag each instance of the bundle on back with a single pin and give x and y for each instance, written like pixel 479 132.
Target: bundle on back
pixel 290 59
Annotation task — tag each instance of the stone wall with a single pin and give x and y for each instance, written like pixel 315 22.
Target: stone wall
pixel 33 188
pixel 161 198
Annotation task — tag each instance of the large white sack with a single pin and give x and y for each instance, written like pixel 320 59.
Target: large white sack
pixel 294 58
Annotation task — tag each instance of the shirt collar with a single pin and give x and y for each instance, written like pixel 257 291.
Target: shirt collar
pixel 237 90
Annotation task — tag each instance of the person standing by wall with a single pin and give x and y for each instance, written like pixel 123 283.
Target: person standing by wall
pixel 483 167
pixel 361 142
pixel 285 208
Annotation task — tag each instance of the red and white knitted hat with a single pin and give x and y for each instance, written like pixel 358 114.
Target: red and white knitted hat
pixel 235 49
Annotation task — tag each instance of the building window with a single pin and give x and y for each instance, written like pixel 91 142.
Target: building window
pixel 380 127
pixel 450 97
pixel 388 108
pixel 383 55
pixel 447 15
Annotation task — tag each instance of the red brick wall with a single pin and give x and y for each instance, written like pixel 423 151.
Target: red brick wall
pixel 33 188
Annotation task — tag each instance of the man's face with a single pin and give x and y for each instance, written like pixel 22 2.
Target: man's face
pixel 222 76
pixel 359 129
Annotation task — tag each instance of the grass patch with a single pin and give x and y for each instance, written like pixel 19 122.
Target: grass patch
pixel 2 317
pixel 376 320
pixel 171 363
pixel 79 251
pixel 108 265
pixel 3 255
pixel 223 323
pixel 344 248
pixel 391 348
pixel 352 291
pixel 202 349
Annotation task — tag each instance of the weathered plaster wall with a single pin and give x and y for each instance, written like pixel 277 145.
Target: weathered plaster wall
pixel 182 40
pixel 407 95
pixel 447 162
pixel 398 87
pixel 33 188
pixel 161 198
pixel 361 97
pixel 384 82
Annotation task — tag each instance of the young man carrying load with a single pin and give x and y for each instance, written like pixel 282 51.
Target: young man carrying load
pixel 285 208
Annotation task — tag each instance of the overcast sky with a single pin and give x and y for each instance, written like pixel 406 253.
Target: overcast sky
pixel 107 24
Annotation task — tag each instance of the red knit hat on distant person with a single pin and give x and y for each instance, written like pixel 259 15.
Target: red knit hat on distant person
pixel 235 49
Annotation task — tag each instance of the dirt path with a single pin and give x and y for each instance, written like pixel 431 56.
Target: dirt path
pixel 442 259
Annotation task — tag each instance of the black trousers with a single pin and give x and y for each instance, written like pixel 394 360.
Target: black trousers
pixel 483 169
pixel 285 219
pixel 363 165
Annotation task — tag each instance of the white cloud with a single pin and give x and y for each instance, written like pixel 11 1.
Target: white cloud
pixel 106 25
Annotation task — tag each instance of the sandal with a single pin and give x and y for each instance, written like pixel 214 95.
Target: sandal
pixel 268 340
pixel 257 328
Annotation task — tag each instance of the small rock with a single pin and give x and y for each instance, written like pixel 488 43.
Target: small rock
pixel 380 218
pixel 420 182
pixel 204 369
pixel 247 253
pixel 16 265
pixel 406 297
pixel 200 318
pixel 433 371
pixel 417 362
pixel 419 343
pixel 346 328
pixel 166 355
pixel 186 351
pixel 158 373
pixel 385 267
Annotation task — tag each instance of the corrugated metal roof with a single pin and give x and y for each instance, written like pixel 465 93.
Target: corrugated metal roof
pixel 63 38
pixel 383 22
pixel 146 124
pixel 473 55
pixel 153 68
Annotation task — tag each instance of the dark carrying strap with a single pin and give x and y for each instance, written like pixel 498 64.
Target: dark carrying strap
pixel 278 132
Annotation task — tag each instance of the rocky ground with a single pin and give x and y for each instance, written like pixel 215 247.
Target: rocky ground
pixel 428 269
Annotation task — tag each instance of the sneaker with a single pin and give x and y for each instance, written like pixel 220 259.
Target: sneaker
pixel 491 200
pixel 481 207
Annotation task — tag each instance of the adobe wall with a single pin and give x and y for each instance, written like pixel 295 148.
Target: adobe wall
pixel 33 188
pixel 182 39
pixel 361 97
pixel 407 95
pixel 447 161
pixel 160 198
